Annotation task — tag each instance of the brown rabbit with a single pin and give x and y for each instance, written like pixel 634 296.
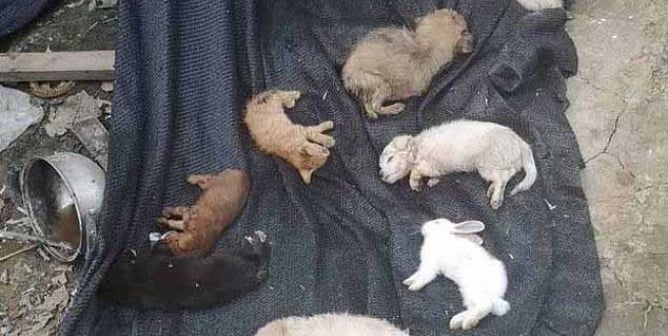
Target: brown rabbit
pixel 304 147
pixel 199 226
pixel 397 63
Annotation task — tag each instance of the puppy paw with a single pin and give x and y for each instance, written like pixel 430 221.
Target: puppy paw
pixel 395 108
pixel 370 112
pixel 257 244
pixel 261 235
pixel 328 142
pixel 327 125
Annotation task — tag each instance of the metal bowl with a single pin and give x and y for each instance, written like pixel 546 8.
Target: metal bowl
pixel 59 192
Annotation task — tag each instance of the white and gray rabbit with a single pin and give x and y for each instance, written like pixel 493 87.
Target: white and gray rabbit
pixel 453 249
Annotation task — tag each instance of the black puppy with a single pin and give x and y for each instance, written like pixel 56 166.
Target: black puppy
pixel 161 281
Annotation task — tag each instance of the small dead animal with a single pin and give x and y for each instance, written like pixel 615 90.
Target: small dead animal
pixel 160 281
pixel 199 226
pixel 304 147
pixel 397 63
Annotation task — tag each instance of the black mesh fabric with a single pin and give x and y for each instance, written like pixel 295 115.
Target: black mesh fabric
pixel 344 243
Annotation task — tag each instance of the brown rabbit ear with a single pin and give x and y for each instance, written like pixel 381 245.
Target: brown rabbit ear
pixel 306 175
pixel 465 43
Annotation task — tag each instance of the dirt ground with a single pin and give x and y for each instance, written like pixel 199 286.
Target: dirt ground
pixel 619 112
pixel 34 290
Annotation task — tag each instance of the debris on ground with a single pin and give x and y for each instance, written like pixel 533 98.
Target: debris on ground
pixel 17 114
pixel 105 107
pixel 79 113
pixel 4 277
pixel 34 290
pixel 40 305
pixel 6 205
pixel 102 4
pixel 75 4
pixel 74 109
pixel 107 86
pixel 95 138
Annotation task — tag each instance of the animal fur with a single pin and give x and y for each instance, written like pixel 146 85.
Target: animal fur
pixel 495 151
pixel 160 281
pixel 534 5
pixel 398 63
pixel 330 325
pixel 199 226
pixel 304 147
pixel 481 278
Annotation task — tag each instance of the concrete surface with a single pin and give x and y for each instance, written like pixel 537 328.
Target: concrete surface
pixel 620 114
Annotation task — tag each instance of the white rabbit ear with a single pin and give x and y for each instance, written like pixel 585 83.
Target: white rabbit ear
pixel 468 227
pixel 472 237
pixel 403 142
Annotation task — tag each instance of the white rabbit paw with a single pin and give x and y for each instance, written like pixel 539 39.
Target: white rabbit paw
pixel 464 320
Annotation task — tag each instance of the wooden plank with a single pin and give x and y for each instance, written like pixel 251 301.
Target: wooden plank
pixel 57 66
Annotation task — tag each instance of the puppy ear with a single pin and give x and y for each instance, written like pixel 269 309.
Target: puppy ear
pixel 472 237
pixel 465 43
pixel 403 142
pixel 468 227
pixel 306 175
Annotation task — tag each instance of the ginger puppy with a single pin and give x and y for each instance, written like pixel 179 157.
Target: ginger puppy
pixel 397 63
pixel 304 147
pixel 200 225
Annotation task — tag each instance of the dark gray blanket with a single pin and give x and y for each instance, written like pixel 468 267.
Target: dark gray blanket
pixel 344 243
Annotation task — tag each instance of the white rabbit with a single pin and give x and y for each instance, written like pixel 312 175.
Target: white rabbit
pixel 495 151
pixel 454 250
